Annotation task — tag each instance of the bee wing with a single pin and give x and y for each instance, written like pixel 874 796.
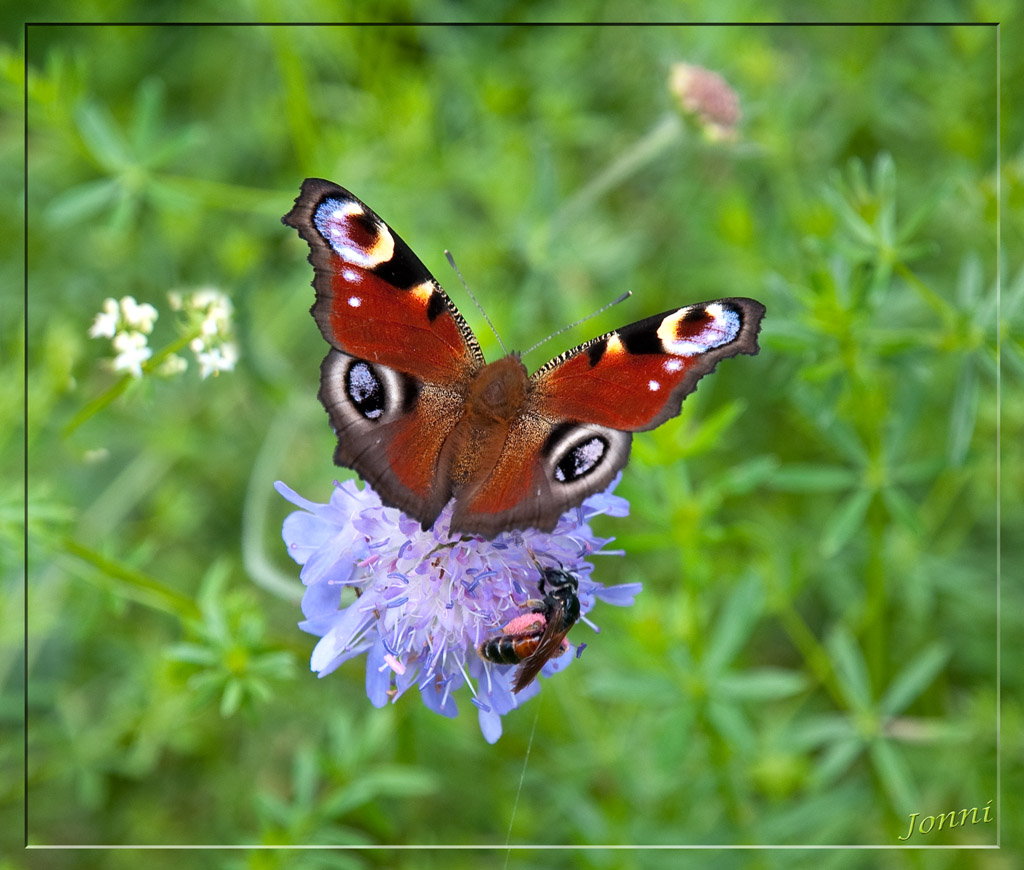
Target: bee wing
pixel 550 643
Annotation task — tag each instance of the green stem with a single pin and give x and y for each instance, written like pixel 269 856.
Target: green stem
pixel 814 654
pixel 101 401
pixel 137 586
pixel 256 508
pixel 874 613
pixel 931 298
pixel 657 140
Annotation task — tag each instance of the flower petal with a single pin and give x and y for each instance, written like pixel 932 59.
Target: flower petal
pixel 621 595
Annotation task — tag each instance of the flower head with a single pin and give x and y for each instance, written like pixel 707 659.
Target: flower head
pixel 206 314
pixel 214 359
pixel 209 313
pixel 105 324
pixel 126 323
pixel 424 601
pixel 707 97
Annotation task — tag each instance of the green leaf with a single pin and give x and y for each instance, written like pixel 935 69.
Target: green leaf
pixel 711 429
pixel 305 776
pixel 384 781
pixel 180 142
pixel 747 476
pixel 844 522
pixel 731 724
pixel 924 208
pixel 640 689
pixel 837 760
pixel 82 201
pixel 850 669
pixel 276 665
pixel 901 508
pixel 258 689
pixel 814 478
pixel 845 440
pixel 231 700
pixel 762 684
pixel 962 415
pixel 914 679
pixel 892 770
pixel 192 653
pixel 825 728
pixel 855 225
pixel 149 97
pixel 102 137
pixel 733 626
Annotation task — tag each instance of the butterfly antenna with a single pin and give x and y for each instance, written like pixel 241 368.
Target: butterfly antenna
pixel 593 314
pixel 451 261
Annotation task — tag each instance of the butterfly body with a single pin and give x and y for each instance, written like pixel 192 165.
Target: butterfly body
pixel 423 418
pixel 532 639
pixel 494 397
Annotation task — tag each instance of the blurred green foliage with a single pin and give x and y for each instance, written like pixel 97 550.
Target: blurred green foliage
pixel 813 657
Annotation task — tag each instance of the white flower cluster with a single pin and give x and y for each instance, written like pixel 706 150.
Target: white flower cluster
pixel 207 315
pixel 210 310
pixel 127 324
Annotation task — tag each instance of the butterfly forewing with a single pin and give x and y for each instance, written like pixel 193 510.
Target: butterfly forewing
pixel 375 300
pixel 636 377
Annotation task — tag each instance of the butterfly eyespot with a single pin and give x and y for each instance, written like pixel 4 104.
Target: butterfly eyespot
pixel 365 390
pixel 355 235
pixel 581 460
pixel 696 330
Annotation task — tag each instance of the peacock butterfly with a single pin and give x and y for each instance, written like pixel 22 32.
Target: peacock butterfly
pixel 423 418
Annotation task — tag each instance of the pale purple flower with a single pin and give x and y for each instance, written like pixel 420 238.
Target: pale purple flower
pixel 424 601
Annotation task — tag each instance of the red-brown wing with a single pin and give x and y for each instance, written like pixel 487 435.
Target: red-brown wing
pixel 394 383
pixel 536 478
pixel 636 378
pixel 391 430
pixel 375 300
pixel 574 432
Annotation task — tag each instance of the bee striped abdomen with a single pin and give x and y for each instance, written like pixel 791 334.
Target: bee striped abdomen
pixel 506 649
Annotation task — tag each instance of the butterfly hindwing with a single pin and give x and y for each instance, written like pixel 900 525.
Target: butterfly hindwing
pixel 391 428
pixel 546 468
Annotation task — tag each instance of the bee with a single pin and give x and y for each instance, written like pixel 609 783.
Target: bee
pixel 532 638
